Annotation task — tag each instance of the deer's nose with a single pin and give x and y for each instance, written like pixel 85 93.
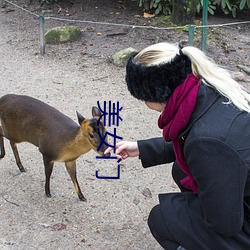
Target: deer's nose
pixel 107 155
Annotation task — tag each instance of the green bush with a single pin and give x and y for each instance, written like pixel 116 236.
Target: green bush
pixel 156 6
pixel 232 6
pixel 47 1
pixel 211 7
pixel 165 6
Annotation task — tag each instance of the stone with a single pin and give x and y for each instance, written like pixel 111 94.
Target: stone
pixel 121 58
pixel 2 3
pixel 63 34
pixel 147 192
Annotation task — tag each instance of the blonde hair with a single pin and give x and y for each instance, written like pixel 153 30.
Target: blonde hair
pixel 202 67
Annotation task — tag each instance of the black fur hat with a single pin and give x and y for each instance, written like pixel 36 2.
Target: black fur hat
pixel 156 83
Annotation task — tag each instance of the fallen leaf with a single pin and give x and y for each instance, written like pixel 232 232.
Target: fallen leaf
pixel 147 15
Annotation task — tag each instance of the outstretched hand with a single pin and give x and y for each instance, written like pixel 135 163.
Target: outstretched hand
pixel 124 149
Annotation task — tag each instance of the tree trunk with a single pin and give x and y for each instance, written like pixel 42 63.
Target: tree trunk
pixel 183 11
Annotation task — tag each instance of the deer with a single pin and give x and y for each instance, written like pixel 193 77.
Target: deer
pixel 58 138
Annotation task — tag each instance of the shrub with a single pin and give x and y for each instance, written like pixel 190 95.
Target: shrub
pixel 47 1
pixel 227 6
pixel 157 6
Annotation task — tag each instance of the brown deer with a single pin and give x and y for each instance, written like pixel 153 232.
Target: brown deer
pixel 59 138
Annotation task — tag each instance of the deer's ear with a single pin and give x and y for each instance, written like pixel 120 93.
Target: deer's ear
pixel 80 118
pixel 96 111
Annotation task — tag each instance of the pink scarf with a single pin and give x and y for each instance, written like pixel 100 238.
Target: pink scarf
pixel 174 119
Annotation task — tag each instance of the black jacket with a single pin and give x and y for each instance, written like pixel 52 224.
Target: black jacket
pixel 216 145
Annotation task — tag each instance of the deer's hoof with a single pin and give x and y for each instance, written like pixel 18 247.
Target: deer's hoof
pixel 82 198
pixel 48 195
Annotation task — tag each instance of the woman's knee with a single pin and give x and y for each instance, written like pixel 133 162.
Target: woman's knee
pixel 153 218
pixel 159 229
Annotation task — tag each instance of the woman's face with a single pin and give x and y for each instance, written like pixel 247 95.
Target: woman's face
pixel 156 106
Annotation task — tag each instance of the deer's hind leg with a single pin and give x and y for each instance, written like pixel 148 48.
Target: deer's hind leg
pixel 71 168
pixel 1 144
pixel 48 164
pixel 18 161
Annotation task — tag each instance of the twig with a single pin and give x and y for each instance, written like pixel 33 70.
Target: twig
pixel 57 82
pixel 101 78
pixel 13 203
pixel 117 34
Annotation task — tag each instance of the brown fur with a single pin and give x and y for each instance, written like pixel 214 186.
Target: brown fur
pixel 59 138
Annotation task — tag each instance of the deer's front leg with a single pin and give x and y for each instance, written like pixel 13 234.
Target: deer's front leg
pixel 48 165
pixel 71 168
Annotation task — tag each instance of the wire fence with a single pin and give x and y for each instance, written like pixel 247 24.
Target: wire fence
pixel 191 28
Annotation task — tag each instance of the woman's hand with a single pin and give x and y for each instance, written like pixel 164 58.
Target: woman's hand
pixel 124 149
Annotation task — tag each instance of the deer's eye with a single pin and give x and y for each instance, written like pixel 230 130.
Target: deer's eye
pixel 91 136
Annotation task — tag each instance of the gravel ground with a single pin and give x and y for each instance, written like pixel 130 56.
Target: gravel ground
pixel 74 77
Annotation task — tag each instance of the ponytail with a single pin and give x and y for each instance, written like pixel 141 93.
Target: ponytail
pixel 218 78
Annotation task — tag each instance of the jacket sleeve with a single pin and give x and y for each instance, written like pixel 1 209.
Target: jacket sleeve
pixel 155 151
pixel 220 173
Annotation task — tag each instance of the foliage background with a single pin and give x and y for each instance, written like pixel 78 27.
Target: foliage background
pixel 164 6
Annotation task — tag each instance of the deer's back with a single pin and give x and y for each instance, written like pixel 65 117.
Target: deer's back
pixel 24 118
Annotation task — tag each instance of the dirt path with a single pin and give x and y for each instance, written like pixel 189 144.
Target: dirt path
pixel 115 214
pixel 74 77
